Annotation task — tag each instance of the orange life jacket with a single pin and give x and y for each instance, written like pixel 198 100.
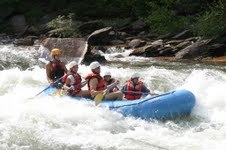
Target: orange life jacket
pixel 101 83
pixel 130 88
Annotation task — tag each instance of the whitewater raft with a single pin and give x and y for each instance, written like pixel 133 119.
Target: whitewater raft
pixel 168 105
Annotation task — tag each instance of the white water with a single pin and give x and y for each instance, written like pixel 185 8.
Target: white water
pixel 42 122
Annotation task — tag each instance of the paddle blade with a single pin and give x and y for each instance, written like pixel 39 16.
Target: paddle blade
pixel 60 92
pixel 98 98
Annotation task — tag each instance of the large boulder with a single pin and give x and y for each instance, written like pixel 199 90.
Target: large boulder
pixel 72 47
pixel 100 37
pixel 197 49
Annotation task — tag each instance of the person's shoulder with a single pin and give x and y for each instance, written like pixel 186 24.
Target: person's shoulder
pixel 62 63
pixel 48 64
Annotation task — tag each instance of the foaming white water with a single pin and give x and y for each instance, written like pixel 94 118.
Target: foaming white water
pixel 45 122
pixel 209 88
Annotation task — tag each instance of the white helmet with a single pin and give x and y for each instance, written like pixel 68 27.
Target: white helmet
pixel 72 64
pixel 107 73
pixel 135 75
pixel 94 65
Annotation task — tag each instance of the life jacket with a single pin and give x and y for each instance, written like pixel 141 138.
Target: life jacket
pixel 130 88
pixel 76 85
pixel 112 80
pixel 57 70
pixel 101 83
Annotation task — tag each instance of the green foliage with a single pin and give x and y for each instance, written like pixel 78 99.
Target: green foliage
pixel 8 1
pixel 63 26
pixel 116 22
pixel 164 20
pixel 164 16
pixel 212 23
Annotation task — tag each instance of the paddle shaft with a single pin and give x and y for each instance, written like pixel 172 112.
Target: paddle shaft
pixel 99 97
pixel 49 86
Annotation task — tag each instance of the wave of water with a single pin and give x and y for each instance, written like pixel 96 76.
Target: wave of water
pixel 28 122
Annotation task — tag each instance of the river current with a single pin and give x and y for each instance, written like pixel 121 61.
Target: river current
pixel 29 122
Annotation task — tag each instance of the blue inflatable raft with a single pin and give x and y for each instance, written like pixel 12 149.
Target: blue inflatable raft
pixel 169 105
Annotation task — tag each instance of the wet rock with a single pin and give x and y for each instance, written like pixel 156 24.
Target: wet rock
pixel 100 37
pixel 183 35
pixel 24 42
pixel 194 50
pixel 166 51
pixel 136 43
pixel 72 47
pixel 216 50
pixel 174 42
pixel 93 57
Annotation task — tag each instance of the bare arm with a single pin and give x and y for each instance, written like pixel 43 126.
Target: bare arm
pixel 48 72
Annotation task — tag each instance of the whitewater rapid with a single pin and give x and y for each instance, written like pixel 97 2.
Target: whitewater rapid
pixel 41 122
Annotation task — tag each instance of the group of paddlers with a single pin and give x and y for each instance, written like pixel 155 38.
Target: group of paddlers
pixel 70 80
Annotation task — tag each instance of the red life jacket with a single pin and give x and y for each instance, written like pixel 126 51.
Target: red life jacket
pixel 57 70
pixel 77 83
pixel 130 88
pixel 101 83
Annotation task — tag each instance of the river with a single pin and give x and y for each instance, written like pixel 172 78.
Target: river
pixel 56 123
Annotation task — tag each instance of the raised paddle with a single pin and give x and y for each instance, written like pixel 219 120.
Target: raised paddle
pixel 99 97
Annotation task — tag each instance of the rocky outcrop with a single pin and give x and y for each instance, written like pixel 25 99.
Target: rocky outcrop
pixel 194 50
pixel 72 47
pixel 100 37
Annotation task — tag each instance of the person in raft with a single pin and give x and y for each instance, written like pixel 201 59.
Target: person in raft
pixel 109 80
pixel 55 69
pixel 134 88
pixel 73 81
pixel 97 85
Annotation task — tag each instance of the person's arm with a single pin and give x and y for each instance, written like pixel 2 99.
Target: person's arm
pixel 123 90
pixel 145 89
pixel 48 72
pixel 68 81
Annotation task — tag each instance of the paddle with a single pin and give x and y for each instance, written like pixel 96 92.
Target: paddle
pixel 99 97
pixel 64 91
pixel 45 88
pixel 49 86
